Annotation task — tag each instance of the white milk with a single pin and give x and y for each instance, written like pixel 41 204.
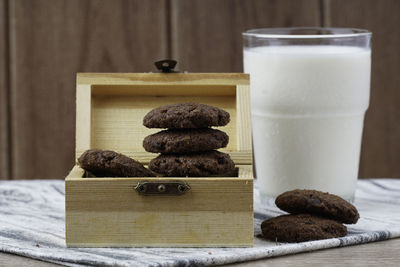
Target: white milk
pixel 308 105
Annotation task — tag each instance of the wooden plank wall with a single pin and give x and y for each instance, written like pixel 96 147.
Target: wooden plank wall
pixel 50 42
pixel 207 34
pixel 4 133
pixel 46 42
pixel 380 155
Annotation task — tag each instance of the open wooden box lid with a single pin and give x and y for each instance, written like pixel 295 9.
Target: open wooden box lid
pixel 110 108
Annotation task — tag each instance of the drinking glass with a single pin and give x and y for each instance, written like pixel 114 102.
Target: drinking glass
pixel 310 89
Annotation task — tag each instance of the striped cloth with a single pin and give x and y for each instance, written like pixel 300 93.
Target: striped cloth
pixel 32 225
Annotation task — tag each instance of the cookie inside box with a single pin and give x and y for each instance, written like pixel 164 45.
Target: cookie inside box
pixel 110 116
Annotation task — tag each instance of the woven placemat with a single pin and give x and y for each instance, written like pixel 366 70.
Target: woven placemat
pixel 32 225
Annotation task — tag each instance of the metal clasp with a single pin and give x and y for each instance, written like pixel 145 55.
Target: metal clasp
pixel 166 66
pixel 162 188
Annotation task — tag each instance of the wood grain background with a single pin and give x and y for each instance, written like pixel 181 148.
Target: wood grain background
pixel 43 43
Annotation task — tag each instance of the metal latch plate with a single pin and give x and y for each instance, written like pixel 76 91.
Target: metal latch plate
pixel 162 188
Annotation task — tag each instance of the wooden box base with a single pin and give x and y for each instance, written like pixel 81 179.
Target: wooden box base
pixel 109 212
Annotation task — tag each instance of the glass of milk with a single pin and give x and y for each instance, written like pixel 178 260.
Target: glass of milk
pixel 309 92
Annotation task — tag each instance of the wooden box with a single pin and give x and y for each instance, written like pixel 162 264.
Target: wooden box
pixel 109 212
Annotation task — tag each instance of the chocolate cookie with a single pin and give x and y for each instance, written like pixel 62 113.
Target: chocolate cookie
pixel 199 164
pixel 185 140
pixel 105 163
pixel 186 116
pixel 318 203
pixel 300 228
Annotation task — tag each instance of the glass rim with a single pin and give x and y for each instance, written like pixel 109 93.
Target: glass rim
pixel 285 33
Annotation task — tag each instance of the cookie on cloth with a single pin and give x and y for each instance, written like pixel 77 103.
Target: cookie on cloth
pixel 318 203
pixel 300 228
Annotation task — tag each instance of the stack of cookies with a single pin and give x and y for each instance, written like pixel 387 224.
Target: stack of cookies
pixel 314 215
pixel 188 146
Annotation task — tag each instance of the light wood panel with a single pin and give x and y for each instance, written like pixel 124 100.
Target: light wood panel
pixel 384 253
pixel 50 42
pixel 109 212
pixel 118 194
pixel 207 34
pixel 4 138
pixel 111 107
pixel 380 155
pixel 21 261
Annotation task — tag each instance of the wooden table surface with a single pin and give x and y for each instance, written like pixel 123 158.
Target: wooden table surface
pixel 384 253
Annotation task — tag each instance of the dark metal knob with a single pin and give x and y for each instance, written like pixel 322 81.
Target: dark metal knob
pixel 166 65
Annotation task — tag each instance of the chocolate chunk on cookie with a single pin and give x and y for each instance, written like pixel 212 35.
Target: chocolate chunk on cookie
pixel 186 116
pixel 318 203
pixel 105 163
pixel 199 164
pixel 185 140
pixel 300 228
